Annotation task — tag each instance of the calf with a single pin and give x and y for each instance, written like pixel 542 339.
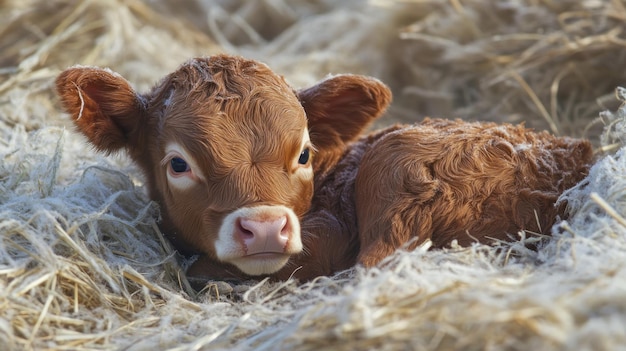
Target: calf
pixel 263 180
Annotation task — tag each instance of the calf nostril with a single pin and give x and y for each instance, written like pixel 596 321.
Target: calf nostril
pixel 245 229
pixel 285 228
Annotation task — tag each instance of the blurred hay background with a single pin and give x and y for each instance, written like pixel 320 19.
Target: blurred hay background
pixel 82 265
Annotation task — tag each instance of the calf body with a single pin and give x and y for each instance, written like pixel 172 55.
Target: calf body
pixel 471 182
pixel 261 179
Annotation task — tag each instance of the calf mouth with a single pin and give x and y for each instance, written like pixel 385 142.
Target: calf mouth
pixel 262 263
pixel 267 255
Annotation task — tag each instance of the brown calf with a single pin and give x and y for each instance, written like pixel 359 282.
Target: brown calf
pixel 261 179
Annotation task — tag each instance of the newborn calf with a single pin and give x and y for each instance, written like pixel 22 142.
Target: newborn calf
pixel 260 179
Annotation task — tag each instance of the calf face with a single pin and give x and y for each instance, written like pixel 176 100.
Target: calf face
pixel 227 147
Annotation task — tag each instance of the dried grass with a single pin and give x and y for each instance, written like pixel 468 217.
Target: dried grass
pixel 84 267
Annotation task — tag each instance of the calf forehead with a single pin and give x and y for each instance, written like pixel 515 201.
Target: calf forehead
pixel 213 83
pixel 254 133
pixel 231 111
pixel 256 127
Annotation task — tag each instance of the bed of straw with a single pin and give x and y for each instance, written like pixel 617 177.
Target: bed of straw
pixel 83 265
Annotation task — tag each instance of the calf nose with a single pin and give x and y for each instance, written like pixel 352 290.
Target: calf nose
pixel 264 236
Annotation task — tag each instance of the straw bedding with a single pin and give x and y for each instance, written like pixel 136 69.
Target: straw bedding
pixel 83 265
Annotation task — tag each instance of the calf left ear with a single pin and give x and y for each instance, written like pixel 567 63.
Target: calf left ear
pixel 338 109
pixel 102 105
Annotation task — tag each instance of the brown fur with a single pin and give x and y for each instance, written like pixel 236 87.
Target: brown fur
pixel 471 182
pixel 440 180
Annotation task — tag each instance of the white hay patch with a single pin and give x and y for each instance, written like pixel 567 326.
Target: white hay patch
pixel 83 266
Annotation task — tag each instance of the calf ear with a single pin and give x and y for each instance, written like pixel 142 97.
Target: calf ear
pixel 103 106
pixel 338 109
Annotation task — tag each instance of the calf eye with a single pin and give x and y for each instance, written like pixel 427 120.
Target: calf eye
pixel 179 165
pixel 304 157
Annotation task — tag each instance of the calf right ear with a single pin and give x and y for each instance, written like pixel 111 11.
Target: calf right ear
pixel 338 109
pixel 103 106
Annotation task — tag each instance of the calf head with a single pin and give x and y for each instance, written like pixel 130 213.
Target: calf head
pixel 227 147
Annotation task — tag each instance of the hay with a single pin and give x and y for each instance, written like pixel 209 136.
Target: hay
pixel 83 265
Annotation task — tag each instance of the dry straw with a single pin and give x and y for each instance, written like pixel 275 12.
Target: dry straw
pixel 83 265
